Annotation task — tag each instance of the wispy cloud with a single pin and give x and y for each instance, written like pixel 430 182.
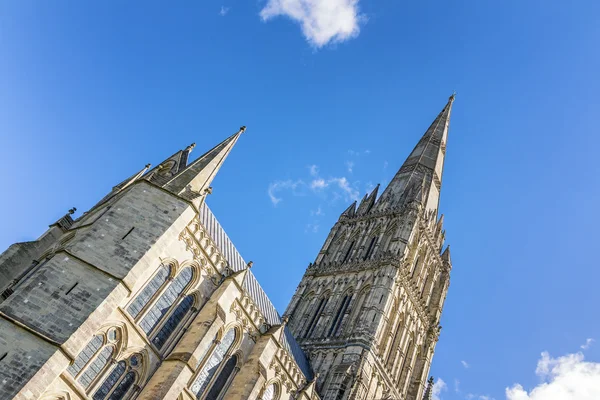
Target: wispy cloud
pixel 349 166
pixel 317 213
pixel 278 186
pixel 311 228
pixel 224 11
pixel 587 344
pixel 331 188
pixel 465 364
pixel 322 21
pixel 456 385
pixel 438 387
pixel 385 165
pixel 569 377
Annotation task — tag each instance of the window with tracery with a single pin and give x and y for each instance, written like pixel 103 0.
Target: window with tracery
pixel 316 316
pixel 371 247
pixel 339 317
pixel 213 364
pixel 119 382
pixel 223 380
pixel 160 307
pixel 93 360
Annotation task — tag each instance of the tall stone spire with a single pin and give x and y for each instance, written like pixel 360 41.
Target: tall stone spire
pixel 423 167
pixel 195 179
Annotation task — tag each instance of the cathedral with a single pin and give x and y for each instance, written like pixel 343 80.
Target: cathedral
pixel 144 296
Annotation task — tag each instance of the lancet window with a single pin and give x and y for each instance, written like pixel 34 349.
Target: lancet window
pixel 161 306
pixel 371 247
pixel 339 317
pixel 316 316
pixel 349 252
pixel 119 382
pixel 93 361
pixel 214 366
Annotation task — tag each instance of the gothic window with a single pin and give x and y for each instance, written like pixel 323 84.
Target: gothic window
pixel 169 327
pixel 370 248
pixel 425 283
pixel 85 355
pixel 358 305
pixel 337 321
pixel 414 268
pixel 222 382
pixel 395 344
pixel 96 367
pixel 95 357
pixel 211 366
pixel 160 306
pixel 271 392
pixel 118 383
pixel 316 317
pixel 348 252
pixel 406 360
pixel 149 291
pixel 166 300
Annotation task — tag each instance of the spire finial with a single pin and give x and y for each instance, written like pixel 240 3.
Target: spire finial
pixel 190 147
pixel 249 265
pixel 72 210
pixel 453 96
pixel 242 128
pixel 147 165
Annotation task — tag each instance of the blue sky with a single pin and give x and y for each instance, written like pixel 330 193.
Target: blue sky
pixel 92 91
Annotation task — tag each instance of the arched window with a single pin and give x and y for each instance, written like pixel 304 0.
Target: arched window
pixel 358 305
pixel 425 283
pixel 348 252
pixel 149 291
pixel 337 321
pixel 95 357
pixel 212 365
pixel 222 382
pixel 271 392
pixel 316 316
pixel 415 265
pixel 370 248
pixel 159 316
pixel 169 327
pixel 117 385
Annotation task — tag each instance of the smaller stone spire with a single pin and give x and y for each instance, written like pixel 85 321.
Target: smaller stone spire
pixel 192 181
pixel 446 255
pixel 428 395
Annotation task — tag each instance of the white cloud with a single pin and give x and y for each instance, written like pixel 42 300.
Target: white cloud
pixel 322 21
pixel 385 164
pixel 311 228
pixel 349 166
pixel 438 387
pixel 465 364
pixel 224 11
pixel 587 344
pixel 456 385
pixel 319 183
pixel 318 212
pixel 277 186
pixel 314 170
pixel 569 377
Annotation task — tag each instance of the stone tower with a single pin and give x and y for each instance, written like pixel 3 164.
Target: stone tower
pixel 367 311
